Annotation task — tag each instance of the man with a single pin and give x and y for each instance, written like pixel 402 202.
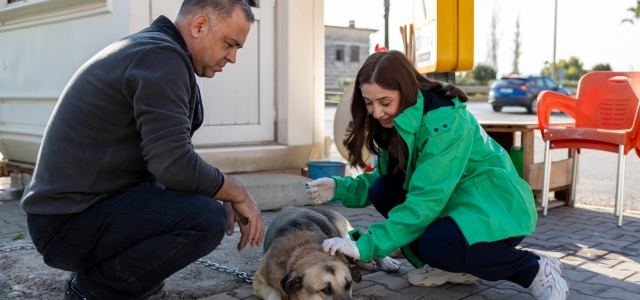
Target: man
pixel 119 196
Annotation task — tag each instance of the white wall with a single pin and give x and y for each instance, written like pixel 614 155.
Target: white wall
pixel 38 58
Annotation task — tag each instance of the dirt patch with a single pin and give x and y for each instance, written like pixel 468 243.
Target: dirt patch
pixel 23 274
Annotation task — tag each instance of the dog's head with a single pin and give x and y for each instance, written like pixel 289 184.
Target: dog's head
pixel 321 276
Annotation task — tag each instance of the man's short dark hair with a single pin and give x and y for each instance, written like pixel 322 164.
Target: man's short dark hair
pixel 223 9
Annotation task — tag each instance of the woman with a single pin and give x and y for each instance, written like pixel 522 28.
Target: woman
pixel 451 195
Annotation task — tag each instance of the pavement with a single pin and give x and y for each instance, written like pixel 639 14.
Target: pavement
pixel 601 261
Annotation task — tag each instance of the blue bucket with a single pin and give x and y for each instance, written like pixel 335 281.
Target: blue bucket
pixel 319 169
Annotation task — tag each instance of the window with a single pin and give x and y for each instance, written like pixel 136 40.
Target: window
pixel 355 53
pixel 550 83
pixel 340 53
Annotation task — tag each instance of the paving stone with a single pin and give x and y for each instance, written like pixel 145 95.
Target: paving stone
pixel 580 243
pixel 577 296
pixel 512 286
pixel 497 294
pixel 621 257
pixel 521 296
pixel 633 266
pixel 610 272
pixel 491 283
pixel 586 288
pixel 361 285
pixel 620 250
pixel 378 292
pixel 592 228
pixel 615 242
pixel 543 243
pixel 605 235
pixel 589 221
pixel 433 293
pixel 473 297
pixel 554 227
pixel 634 278
pixel 606 280
pixel 382 278
pixel 576 275
pixel 618 293
pixel 590 253
pixel 469 288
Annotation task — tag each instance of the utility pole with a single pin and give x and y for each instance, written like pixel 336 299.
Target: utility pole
pixel 555 25
pixel 386 23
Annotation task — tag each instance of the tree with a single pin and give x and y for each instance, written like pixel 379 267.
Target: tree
pixel 494 41
pixel 483 73
pixel 516 51
pixel 573 68
pixel 602 67
pixel 635 11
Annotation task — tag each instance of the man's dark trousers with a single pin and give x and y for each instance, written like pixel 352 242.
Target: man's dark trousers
pixel 443 246
pixel 126 244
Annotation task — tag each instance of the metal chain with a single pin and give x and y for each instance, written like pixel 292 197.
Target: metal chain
pixel 18 247
pixel 242 275
pixel 205 262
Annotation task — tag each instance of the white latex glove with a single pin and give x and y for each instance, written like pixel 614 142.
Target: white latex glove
pixel 320 190
pixel 346 246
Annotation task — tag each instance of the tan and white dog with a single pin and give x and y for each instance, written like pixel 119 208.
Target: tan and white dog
pixel 294 265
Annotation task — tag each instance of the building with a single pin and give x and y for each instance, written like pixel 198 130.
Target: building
pixel 346 48
pixel 265 113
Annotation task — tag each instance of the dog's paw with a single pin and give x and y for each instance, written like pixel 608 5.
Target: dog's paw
pixel 367 265
pixel 388 264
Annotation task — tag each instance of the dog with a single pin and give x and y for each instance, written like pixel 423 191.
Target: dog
pixel 294 265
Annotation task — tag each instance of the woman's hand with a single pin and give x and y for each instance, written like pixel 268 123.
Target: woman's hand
pixel 345 246
pixel 320 190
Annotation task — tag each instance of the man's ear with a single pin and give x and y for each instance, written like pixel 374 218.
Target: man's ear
pixel 355 273
pixel 199 25
pixel 291 283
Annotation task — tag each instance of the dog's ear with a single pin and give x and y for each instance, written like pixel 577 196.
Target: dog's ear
pixel 291 283
pixel 355 273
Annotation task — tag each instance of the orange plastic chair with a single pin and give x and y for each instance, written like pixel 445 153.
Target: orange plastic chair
pixel 605 111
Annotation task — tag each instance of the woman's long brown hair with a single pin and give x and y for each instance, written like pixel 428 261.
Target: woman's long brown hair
pixel 391 71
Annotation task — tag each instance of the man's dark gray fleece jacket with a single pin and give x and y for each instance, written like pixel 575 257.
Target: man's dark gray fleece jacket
pixel 126 116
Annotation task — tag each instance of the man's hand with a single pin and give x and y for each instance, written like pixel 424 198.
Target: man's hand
pixel 320 190
pixel 346 246
pixel 250 221
pixel 246 212
pixel 232 218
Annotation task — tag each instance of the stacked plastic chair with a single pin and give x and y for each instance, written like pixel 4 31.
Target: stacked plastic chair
pixel 605 111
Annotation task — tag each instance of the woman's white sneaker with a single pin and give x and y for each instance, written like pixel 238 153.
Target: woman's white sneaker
pixel 428 276
pixel 548 283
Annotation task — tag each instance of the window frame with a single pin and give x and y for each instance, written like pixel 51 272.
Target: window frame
pixel 37 12
pixel 340 53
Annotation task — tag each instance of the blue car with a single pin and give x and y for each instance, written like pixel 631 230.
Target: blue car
pixel 517 90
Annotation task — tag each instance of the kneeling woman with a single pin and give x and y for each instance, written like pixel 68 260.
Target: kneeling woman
pixel 451 195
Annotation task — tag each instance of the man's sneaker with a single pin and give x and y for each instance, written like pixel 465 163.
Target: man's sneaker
pixel 548 284
pixel 428 276
pixel 71 290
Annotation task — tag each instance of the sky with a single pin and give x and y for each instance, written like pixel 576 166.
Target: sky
pixel 591 30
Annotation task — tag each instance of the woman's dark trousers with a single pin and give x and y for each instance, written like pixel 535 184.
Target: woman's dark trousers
pixel 444 247
pixel 126 244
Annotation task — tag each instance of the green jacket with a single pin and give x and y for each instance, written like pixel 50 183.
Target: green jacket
pixel 453 169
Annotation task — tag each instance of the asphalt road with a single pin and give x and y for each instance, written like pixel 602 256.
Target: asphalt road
pixel 597 169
